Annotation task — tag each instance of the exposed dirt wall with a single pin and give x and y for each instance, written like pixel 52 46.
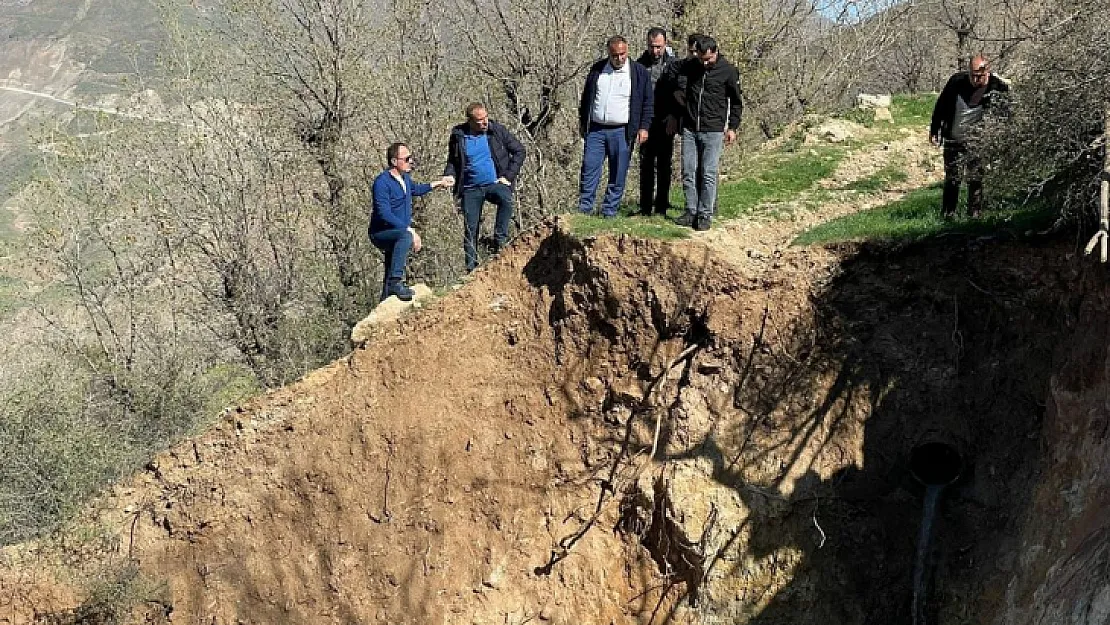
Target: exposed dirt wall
pixel 490 458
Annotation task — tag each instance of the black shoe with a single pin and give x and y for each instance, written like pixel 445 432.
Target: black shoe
pixel 701 224
pixel 685 220
pixel 402 292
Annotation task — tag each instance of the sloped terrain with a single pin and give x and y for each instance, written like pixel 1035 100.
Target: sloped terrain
pixel 614 430
pixel 489 459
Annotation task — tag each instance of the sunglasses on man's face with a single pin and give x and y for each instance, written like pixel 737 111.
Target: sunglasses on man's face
pixel 408 159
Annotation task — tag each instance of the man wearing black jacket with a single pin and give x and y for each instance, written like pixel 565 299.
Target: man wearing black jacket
pixel 711 105
pixel 958 112
pixel 657 152
pixel 483 161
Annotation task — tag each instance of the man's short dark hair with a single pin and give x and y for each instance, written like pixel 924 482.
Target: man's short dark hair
pixel 707 44
pixel 614 40
pixel 693 39
pixel 474 107
pixel 656 32
pixel 391 152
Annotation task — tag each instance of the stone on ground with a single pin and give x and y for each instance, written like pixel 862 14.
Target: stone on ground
pixel 873 101
pixel 388 310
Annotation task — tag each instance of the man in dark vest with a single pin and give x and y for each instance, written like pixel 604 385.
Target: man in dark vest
pixel 958 113
pixel 657 152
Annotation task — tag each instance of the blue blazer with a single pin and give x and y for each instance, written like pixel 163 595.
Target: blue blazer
pixel 392 205
pixel 640 104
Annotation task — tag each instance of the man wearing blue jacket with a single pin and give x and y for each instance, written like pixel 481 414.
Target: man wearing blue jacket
pixel 483 160
pixel 615 111
pixel 391 217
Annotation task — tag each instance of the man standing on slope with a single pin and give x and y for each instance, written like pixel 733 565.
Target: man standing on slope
pixel 656 153
pixel 958 112
pixel 711 104
pixel 615 111
pixel 391 217
pixel 486 159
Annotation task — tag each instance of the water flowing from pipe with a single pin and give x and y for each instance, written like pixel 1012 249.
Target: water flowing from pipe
pixel 924 538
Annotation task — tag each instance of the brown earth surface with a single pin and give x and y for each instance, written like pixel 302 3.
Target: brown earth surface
pixel 615 430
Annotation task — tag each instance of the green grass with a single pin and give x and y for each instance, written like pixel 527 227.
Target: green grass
pixel 917 216
pixel 863 117
pixel 625 223
pixel 913 110
pixel 878 181
pixel 777 178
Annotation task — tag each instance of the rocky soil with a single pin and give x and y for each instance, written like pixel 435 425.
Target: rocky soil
pixel 615 430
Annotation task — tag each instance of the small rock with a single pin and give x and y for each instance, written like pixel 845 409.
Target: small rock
pixel 495 578
pixel 873 101
pixel 547 612
pixel 509 436
pixel 390 309
pixel 882 114
pixel 835 133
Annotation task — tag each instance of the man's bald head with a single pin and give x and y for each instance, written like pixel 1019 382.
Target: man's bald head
pixel 980 70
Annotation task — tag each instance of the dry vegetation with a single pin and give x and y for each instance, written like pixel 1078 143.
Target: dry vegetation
pixel 225 251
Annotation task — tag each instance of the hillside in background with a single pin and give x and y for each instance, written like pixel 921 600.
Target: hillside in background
pixel 55 55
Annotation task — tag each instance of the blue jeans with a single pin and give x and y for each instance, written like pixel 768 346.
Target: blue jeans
pixel 604 143
pixel 471 202
pixel 395 244
pixel 701 151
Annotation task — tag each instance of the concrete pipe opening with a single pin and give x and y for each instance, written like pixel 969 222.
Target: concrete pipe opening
pixel 936 463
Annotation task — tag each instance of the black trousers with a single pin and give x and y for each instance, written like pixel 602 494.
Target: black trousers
pixel 655 171
pixel 959 165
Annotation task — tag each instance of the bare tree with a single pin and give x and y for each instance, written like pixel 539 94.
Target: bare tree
pixel 1052 148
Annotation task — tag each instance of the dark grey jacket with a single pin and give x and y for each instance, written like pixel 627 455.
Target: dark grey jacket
pixel 664 85
pixel 507 152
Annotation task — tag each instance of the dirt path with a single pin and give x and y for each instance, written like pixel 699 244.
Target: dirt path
pixel 754 242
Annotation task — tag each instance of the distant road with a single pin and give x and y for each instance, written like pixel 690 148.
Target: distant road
pixel 52 98
pixel 38 94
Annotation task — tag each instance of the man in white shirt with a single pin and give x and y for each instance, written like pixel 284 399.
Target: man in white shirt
pixel 615 110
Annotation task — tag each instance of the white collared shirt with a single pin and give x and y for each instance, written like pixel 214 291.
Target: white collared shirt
pixel 400 179
pixel 613 97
